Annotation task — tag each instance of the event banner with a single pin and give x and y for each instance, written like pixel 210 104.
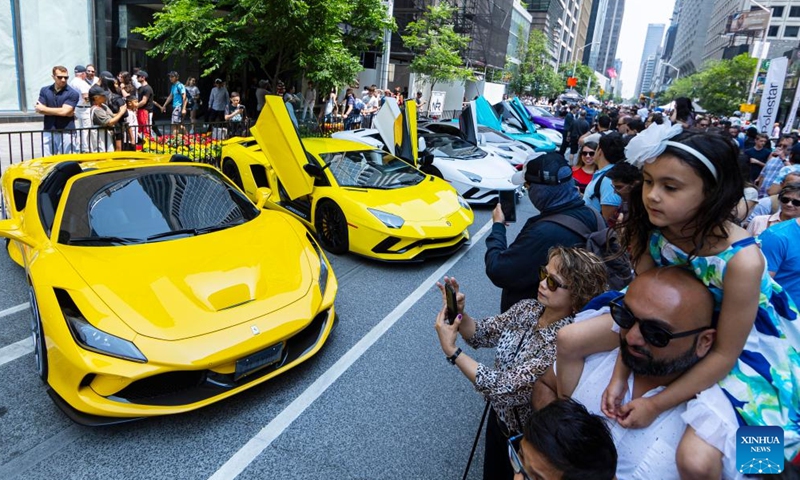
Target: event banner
pixel 771 96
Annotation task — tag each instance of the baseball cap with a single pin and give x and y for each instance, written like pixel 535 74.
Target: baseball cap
pixel 172 73
pixel 218 80
pixel 141 73
pixel 96 90
pixel 547 169
pixel 107 74
pixel 751 194
pixel 796 149
pixel 80 69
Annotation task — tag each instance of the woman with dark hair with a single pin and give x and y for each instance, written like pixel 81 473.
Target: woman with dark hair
pixel 683 215
pixel 583 171
pixel 524 337
pixel 683 112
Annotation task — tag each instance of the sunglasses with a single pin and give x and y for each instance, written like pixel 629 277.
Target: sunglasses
pixel 552 283
pixel 587 154
pixel 787 201
pixel 516 463
pixel 62 77
pixel 652 332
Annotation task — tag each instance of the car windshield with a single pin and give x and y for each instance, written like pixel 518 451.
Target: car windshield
pixel 371 169
pixel 151 204
pixel 493 136
pixel 451 146
pixel 540 112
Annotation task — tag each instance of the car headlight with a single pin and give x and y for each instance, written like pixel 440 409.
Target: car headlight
pixel 92 338
pixel 473 177
pixel 463 202
pixel 388 219
pixel 96 340
pixel 323 266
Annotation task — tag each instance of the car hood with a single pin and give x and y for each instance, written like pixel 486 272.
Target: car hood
pixel 177 289
pixel 430 200
pixel 491 166
pixel 549 122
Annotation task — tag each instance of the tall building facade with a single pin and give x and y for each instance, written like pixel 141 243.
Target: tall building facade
pixel 582 37
pixel 783 33
pixel 693 21
pixel 606 36
pixel 559 20
pixel 650 56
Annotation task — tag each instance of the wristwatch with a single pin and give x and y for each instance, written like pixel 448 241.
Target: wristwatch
pixel 452 358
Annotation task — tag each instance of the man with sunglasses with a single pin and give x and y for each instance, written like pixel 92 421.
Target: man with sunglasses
pixel 781 243
pixel 57 103
pixel 665 323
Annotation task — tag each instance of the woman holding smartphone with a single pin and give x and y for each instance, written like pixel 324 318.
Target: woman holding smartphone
pixel 525 341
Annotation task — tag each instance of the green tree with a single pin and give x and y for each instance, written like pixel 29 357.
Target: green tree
pixel 533 74
pixel 720 87
pixel 323 37
pixel 437 46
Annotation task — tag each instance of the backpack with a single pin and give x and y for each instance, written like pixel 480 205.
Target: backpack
pixel 604 243
pixel 597 185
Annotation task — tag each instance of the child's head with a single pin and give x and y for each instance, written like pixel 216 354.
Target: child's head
pixel 681 192
pixel 235 98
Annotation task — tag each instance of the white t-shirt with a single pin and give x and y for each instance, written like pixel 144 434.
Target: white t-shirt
pixel 645 454
pixel 81 86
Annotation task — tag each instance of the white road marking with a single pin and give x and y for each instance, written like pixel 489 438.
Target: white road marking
pixel 12 352
pixel 13 310
pixel 263 439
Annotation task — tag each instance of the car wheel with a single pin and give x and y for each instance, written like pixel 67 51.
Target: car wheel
pixel 37 335
pixel 231 171
pixel 331 226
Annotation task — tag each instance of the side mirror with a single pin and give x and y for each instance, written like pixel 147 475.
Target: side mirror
pixel 421 147
pixel 10 229
pixel 262 195
pixel 313 170
pixel 425 160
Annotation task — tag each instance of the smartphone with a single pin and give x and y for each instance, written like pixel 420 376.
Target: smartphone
pixel 508 202
pixel 452 306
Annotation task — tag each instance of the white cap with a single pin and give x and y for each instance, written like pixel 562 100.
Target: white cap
pixel 751 194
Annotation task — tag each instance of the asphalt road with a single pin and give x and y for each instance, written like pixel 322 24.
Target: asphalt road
pixel 378 401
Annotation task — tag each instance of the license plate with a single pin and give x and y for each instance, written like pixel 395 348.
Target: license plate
pixel 258 360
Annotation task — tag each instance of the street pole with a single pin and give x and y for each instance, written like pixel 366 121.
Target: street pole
pixel 575 58
pixel 387 48
pixel 760 55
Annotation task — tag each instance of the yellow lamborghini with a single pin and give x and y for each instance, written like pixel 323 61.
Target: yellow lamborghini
pixel 353 197
pixel 153 287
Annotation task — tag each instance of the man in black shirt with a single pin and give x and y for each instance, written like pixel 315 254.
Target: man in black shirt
pixel 758 156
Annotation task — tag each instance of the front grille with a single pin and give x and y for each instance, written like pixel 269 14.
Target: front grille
pixel 191 386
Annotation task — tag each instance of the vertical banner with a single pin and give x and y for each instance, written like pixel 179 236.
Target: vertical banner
pixel 793 112
pixel 771 96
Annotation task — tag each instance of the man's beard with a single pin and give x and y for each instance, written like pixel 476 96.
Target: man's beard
pixel 657 368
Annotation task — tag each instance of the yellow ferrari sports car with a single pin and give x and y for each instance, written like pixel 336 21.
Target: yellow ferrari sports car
pixel 153 287
pixel 353 197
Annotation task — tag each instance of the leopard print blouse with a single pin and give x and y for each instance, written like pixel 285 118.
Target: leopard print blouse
pixel 524 353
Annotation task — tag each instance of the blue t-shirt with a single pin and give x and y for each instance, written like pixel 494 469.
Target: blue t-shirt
pixel 608 196
pixel 49 98
pixel 177 90
pixel 781 245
